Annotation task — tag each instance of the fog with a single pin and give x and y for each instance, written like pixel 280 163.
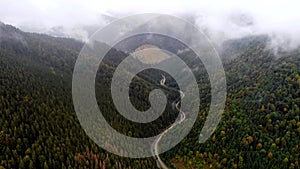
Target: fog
pixel 220 20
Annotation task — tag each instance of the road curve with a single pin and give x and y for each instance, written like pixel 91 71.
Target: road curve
pixel 154 149
pixel 163 80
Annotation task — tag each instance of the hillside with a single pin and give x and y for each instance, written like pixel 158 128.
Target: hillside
pixel 260 127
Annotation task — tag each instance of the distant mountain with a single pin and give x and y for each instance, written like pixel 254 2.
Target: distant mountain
pixel 235 47
pixel 79 32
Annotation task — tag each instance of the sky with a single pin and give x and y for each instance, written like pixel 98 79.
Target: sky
pixel 279 19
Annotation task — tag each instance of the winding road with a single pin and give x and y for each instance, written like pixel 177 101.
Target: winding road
pixel 154 149
pixel 163 80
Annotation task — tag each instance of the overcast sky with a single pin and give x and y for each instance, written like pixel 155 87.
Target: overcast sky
pixel 277 18
pixel 66 12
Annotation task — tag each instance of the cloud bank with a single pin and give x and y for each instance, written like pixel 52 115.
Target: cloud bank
pixel 221 20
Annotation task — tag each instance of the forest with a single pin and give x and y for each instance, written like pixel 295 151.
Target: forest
pixel 260 126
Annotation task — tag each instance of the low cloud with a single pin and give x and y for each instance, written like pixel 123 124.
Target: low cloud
pixel 220 20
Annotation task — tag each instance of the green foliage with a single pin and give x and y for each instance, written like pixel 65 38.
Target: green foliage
pixel 261 117
pixel 260 127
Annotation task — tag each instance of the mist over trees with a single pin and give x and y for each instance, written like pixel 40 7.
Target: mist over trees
pixel 260 127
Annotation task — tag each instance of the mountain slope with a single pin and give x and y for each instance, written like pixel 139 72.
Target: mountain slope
pixel 260 127
pixel 39 127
